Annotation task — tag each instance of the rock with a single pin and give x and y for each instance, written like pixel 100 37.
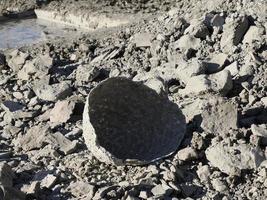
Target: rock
pixel 143 39
pixel 187 154
pixel 217 22
pixel 233 32
pixel 186 70
pixel 219 185
pixel 217 63
pixel 48 181
pixel 111 138
pixel 232 68
pixel 57 91
pixel 62 143
pixel 17 60
pixel 264 101
pixel 204 173
pixel 254 33
pixel 159 190
pixel 219 116
pixel 38 67
pixel 232 159
pixel 86 73
pixel 187 42
pixel 259 130
pixel 220 82
pixel 82 189
pixel 15 110
pixel 35 137
pixel 157 84
pixel 61 112
pixel 197 29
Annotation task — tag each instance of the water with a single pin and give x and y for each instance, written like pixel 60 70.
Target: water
pixel 18 33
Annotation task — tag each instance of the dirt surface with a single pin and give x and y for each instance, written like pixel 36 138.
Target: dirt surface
pixel 207 57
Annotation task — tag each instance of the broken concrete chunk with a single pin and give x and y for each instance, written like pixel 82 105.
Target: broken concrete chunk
pixel 37 67
pixel 187 154
pixel 254 33
pixel 48 181
pixel 61 112
pixel 232 159
pixel 217 22
pixel 157 84
pixel 65 145
pixel 35 137
pixel 219 116
pixel 125 122
pixel 220 82
pixel 82 189
pixel 217 63
pixel 143 39
pixel 259 130
pixel 86 73
pixel 197 29
pixel 17 60
pixel 233 32
pixel 187 42
pixel 233 68
pixel 53 92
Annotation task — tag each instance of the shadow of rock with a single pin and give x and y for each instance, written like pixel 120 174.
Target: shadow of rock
pixel 126 122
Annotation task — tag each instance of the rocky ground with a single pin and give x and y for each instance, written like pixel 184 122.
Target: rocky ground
pixel 208 58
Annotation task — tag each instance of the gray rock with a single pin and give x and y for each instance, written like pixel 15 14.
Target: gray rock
pixel 232 159
pixel 61 112
pixel 259 130
pixel 142 39
pixel 187 42
pixel 81 189
pixel 62 143
pixel 120 119
pixel 160 190
pixel 38 67
pixel 157 84
pixel 220 82
pixel 57 91
pixel 254 33
pixel 219 116
pixel 233 32
pixel 217 63
pixel 197 29
pixel 204 173
pixel 217 22
pixel 264 101
pixel 219 185
pixel 17 60
pixel 15 110
pixel 232 68
pixel 86 73
pixel 187 154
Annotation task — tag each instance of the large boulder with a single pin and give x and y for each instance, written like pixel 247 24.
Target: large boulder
pixel 126 122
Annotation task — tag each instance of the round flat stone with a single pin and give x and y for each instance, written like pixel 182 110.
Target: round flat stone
pixel 126 122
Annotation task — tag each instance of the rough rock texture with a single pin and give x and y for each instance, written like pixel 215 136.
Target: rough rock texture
pixel 128 123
